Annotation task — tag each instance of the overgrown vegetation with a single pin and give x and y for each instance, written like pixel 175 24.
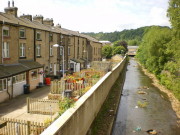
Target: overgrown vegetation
pixel 142 104
pixel 119 47
pixel 159 50
pixel 65 104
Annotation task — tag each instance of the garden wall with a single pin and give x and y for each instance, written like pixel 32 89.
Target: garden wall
pixel 77 120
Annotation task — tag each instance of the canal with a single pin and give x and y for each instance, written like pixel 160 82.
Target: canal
pixel 143 107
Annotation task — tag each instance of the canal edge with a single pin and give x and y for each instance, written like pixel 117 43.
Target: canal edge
pixel 174 101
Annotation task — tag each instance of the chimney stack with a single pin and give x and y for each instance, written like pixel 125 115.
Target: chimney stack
pixel 38 18
pixel 11 10
pixel 58 26
pixel 29 17
pixel 48 22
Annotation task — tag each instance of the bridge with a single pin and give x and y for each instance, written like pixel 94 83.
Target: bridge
pixel 132 50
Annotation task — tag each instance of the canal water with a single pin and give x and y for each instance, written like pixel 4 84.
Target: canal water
pixel 157 113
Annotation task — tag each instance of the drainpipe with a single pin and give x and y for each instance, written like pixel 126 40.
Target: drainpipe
pixel 74 47
pixel 2 43
pixel 49 55
pixel 7 90
pixel 34 44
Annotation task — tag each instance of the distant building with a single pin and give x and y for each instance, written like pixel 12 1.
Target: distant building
pixel 105 43
pixel 132 50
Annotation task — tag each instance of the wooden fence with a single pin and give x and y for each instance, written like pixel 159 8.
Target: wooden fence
pixel 21 127
pixel 42 106
pixel 58 87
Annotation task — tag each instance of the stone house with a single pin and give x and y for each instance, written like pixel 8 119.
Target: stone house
pixel 27 52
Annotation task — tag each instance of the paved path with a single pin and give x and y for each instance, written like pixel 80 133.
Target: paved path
pixel 16 107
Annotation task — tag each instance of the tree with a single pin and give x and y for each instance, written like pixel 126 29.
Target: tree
pixel 152 51
pixel 174 15
pixel 107 51
pixel 133 42
pixel 118 50
pixel 121 43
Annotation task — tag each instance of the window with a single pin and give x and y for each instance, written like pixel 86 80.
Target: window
pixel 5 50
pixel 22 50
pixel 38 50
pixel 50 37
pixel 69 50
pixel 22 33
pixel 50 67
pixel 34 74
pixel 69 40
pixel 3 84
pixel 19 78
pixel 5 31
pixel 38 36
pixel 61 51
pixel 51 50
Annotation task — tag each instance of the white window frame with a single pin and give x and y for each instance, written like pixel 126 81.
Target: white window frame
pixel 34 77
pixel 7 29
pixel 61 51
pixel 38 37
pixel 51 50
pixel 5 49
pixel 22 50
pixel 22 30
pixel 19 78
pixel 50 67
pixel 50 37
pixel 2 84
pixel 38 50
pixel 69 51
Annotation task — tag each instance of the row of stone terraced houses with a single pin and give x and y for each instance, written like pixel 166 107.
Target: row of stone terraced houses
pixel 27 53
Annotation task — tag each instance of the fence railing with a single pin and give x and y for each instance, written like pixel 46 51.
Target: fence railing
pixel 21 127
pixel 58 87
pixel 42 106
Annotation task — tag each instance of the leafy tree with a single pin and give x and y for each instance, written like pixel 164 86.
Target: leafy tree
pixel 107 51
pixel 174 15
pixel 152 51
pixel 118 50
pixel 133 42
pixel 159 50
pixel 121 43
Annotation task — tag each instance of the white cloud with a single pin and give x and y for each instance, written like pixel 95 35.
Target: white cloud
pixel 97 15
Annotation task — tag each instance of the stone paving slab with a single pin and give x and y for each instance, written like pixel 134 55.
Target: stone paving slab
pixel 17 108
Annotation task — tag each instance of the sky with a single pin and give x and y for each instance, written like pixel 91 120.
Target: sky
pixel 96 15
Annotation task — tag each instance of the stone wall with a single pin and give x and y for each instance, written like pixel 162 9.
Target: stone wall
pixel 77 120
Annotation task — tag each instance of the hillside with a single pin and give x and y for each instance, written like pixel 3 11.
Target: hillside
pixel 133 36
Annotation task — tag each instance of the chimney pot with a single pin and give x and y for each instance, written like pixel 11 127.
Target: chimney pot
pixel 8 3
pixel 13 3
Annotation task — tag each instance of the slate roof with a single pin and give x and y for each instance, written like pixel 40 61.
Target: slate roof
pixel 30 64
pixel 14 69
pixel 77 60
pixel 35 24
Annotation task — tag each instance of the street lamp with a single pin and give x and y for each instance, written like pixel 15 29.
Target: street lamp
pixel 56 45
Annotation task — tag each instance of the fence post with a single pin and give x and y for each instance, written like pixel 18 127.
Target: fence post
pixel 28 127
pixel 27 104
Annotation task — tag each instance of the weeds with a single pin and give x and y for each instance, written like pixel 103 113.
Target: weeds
pixel 142 104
